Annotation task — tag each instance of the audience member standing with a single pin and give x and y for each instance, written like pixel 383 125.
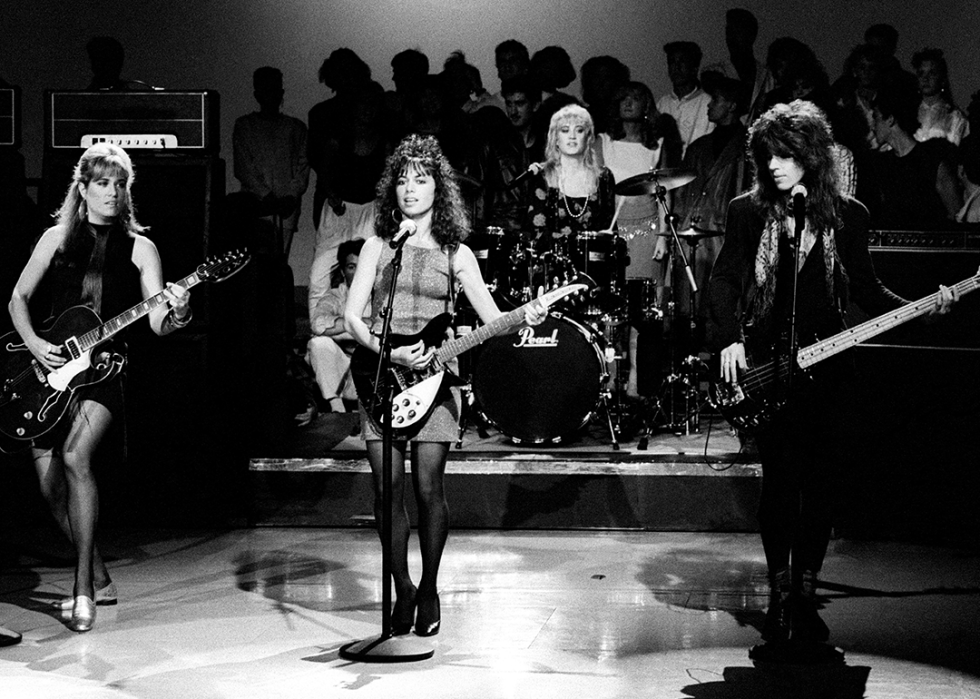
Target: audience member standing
pixel 939 117
pixel 512 60
pixel 345 73
pixel 686 102
pixel 741 31
pixel 106 57
pixel 602 77
pixel 553 70
pixel 913 185
pixel 409 69
pixel 969 172
pixel 270 155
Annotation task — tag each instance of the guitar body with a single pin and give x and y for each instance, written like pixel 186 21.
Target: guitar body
pixel 754 400
pixel 34 399
pixel 415 391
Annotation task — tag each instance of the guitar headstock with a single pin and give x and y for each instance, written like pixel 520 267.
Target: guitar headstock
pixel 218 268
pixel 580 284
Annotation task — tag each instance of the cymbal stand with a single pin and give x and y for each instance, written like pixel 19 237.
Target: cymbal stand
pixel 677 403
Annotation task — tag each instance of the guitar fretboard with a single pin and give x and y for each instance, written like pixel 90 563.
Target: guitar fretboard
pixel 126 318
pixel 865 331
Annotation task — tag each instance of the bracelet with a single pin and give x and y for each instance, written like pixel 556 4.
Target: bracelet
pixel 177 322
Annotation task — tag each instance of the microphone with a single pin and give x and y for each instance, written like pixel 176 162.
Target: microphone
pixel 405 231
pixel 799 207
pixel 533 169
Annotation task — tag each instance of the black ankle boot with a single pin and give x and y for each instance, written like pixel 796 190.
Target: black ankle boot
pixel 807 625
pixel 779 615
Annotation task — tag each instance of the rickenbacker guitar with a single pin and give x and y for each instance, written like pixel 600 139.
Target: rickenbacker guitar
pixel 753 401
pixel 33 399
pixel 416 391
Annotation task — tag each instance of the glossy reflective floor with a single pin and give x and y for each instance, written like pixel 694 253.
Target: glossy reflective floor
pixel 262 613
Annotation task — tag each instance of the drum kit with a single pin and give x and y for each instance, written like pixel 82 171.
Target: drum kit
pixel 541 385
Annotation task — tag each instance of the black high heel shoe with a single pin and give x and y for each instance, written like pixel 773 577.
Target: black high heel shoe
pixel 780 613
pixel 429 616
pixel 403 614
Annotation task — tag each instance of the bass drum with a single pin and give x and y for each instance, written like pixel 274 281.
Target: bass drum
pixel 540 384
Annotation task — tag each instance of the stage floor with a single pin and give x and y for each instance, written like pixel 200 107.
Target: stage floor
pixel 262 613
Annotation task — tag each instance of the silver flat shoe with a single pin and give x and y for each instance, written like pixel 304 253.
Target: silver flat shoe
pixel 105 596
pixel 82 614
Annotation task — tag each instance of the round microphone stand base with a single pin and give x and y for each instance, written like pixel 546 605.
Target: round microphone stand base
pixel 391 649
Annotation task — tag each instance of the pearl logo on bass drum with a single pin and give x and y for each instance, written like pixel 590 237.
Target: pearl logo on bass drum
pixel 527 338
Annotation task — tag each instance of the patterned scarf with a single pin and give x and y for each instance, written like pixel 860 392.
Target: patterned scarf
pixel 767 261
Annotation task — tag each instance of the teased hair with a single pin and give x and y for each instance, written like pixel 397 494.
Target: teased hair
pixel 97 161
pixel 569 114
pixel 798 130
pixel 450 224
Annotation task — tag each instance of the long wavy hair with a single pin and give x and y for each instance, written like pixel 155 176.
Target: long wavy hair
pixel 798 130
pixel 450 224
pixel 100 160
pixel 572 114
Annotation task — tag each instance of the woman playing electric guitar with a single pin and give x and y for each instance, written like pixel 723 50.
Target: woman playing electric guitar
pixel 803 446
pixel 417 186
pixel 94 256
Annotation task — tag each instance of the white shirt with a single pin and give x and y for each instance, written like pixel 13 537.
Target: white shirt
pixel 690 112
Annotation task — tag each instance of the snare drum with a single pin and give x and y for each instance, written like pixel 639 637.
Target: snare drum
pixel 540 384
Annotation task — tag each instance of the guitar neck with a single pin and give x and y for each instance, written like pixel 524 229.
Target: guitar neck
pixel 836 344
pixel 126 318
pixel 481 334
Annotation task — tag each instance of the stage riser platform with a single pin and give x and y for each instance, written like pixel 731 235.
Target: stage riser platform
pixel 654 497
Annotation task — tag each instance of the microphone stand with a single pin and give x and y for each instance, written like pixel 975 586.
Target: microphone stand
pixel 797 242
pixel 386 648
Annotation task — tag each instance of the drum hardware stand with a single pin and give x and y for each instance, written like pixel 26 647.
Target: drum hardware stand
pixel 676 387
pixel 468 410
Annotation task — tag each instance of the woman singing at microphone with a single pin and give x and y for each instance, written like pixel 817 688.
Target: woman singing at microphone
pixel 417 185
pixel 803 448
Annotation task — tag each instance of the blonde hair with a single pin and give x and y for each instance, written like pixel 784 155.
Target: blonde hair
pixel 98 161
pixel 574 115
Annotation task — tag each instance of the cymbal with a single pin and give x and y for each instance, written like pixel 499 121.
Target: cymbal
pixel 647 182
pixel 693 233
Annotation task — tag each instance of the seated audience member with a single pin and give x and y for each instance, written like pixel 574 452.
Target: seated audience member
pixel 687 103
pixel 939 117
pixel 330 347
pixel 969 172
pixel 270 155
pixel 913 185
pixel 602 77
pixel 722 173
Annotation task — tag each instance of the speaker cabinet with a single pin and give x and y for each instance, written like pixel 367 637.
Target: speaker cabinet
pixel 915 272
pixel 177 197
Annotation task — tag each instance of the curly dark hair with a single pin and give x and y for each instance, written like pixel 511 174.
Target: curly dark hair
pixel 798 130
pixel 450 224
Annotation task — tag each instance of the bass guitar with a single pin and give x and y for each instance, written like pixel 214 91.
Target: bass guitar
pixel 750 403
pixel 416 391
pixel 33 398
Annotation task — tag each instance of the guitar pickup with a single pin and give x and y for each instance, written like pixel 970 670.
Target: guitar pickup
pixel 71 344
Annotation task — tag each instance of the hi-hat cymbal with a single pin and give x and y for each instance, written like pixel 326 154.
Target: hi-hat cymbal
pixel 647 182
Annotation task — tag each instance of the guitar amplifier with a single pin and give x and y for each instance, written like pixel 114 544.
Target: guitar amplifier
pixel 10 116
pixel 181 121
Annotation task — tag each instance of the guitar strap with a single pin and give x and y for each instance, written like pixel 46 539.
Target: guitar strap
pixel 452 284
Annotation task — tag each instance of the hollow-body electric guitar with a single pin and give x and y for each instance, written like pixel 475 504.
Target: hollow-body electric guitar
pixel 751 403
pixel 33 398
pixel 416 391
